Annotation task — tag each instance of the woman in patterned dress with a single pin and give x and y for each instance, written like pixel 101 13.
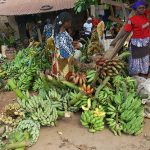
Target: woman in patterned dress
pixel 140 40
pixel 63 60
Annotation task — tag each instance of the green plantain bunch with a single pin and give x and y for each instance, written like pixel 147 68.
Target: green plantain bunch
pixel 26 67
pixel 39 109
pixel 125 112
pixel 93 120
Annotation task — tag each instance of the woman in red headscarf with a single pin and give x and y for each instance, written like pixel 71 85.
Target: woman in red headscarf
pixel 139 44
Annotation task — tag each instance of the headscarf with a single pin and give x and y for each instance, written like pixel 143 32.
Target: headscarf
pixel 137 4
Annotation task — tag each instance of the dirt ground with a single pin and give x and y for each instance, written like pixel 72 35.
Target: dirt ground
pixel 70 135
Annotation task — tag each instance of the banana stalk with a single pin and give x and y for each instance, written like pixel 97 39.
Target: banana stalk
pixel 71 85
pixel 60 113
pixel 101 87
pixel 16 90
pixel 17 146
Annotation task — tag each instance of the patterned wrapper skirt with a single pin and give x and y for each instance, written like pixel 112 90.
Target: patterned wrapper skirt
pixel 138 64
pixel 61 67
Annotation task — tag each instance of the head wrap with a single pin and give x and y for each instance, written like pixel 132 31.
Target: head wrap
pixel 137 4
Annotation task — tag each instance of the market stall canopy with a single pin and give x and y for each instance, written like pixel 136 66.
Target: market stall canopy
pixel 25 7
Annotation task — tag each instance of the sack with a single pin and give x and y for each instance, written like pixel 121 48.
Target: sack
pixel 107 43
pixel 77 54
pixel 144 89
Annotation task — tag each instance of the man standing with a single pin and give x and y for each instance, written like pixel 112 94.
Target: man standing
pixel 48 30
pixel 88 28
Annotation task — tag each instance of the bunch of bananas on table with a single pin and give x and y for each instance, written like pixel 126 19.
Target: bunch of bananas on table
pixel 93 120
pixel 12 115
pixel 109 67
pixel 39 109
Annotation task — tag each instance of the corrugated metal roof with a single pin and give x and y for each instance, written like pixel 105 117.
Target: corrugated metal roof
pixel 24 7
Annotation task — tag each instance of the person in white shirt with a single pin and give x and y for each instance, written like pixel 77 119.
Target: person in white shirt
pixel 88 28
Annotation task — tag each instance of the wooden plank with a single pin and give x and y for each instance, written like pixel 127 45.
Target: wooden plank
pixel 110 2
pixel 112 11
pixel 112 51
pixel 116 20
pixel 124 12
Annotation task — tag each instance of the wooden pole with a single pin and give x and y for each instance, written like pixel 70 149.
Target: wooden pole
pixel 112 11
pixel 39 35
pixel 112 51
pixel 113 3
pixel 124 12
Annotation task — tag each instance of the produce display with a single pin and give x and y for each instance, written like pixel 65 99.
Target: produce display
pixel 25 67
pixel 124 111
pixel 126 116
pixel 105 95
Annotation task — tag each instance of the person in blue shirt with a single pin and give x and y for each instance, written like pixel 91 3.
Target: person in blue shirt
pixel 63 60
pixel 48 29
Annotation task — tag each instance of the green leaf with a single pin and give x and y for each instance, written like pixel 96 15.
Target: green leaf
pixel 79 9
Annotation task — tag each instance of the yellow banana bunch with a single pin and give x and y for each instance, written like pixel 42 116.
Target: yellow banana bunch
pixel 98 113
pixel 88 105
pixel 92 122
